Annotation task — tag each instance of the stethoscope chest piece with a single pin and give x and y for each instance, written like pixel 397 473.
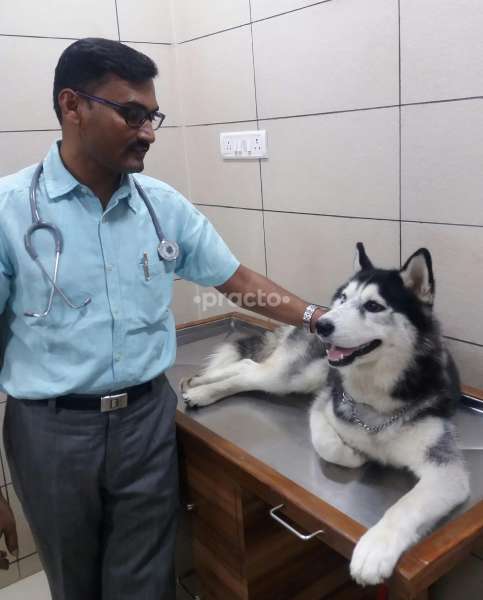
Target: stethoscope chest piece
pixel 168 250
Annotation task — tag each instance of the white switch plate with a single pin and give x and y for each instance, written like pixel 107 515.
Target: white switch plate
pixel 244 144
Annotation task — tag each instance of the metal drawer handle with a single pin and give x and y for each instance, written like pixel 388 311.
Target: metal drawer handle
pixel 290 528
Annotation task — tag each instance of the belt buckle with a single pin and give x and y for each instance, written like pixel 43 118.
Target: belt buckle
pixel 113 402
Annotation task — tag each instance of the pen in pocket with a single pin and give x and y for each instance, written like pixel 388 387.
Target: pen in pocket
pixel 146 266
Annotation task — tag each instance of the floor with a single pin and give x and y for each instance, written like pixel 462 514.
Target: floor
pixel 34 586
pixel 466 579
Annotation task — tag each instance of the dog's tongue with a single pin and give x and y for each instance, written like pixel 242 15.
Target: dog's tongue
pixel 336 353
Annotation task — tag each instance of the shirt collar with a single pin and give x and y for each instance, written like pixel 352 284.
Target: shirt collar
pixel 59 181
pixel 128 190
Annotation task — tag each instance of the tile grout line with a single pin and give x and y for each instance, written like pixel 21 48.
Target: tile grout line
pixel 341 111
pixel 75 39
pixel 469 342
pixel 117 21
pixel 400 133
pixel 270 17
pixel 337 216
pixel 258 127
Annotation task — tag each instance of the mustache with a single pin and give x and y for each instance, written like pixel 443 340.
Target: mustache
pixel 139 147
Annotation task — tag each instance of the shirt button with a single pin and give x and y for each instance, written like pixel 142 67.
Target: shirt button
pixel 115 311
pixel 108 267
pixel 117 357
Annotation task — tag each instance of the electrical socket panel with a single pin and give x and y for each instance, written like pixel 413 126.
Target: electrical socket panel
pixel 244 145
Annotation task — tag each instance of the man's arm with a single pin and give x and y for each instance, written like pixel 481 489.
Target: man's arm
pixel 256 292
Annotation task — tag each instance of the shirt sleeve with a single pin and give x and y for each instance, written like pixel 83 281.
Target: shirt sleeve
pixel 5 274
pixel 204 257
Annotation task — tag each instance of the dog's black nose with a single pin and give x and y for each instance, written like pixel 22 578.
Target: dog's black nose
pixel 324 327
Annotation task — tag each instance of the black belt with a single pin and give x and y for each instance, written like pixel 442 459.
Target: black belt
pixel 105 403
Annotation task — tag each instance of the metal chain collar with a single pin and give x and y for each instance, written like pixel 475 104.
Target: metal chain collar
pixel 355 418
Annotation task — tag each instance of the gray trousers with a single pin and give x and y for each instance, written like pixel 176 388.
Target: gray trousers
pixel 100 492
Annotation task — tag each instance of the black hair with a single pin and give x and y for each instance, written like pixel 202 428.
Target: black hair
pixel 86 63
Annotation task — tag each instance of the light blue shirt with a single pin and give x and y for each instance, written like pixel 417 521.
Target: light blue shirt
pixel 126 335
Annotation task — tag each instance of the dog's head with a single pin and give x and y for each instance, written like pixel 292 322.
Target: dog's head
pixel 378 309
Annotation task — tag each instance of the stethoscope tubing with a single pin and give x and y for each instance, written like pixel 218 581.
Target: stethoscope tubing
pixel 167 250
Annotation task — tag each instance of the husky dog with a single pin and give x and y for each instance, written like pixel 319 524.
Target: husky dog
pixel 385 388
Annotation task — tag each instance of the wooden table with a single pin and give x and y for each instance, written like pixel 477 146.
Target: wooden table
pixel 240 551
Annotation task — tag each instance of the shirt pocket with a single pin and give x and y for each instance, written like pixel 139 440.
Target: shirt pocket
pixel 152 289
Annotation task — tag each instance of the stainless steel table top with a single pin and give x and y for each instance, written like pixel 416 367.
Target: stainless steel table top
pixel 276 431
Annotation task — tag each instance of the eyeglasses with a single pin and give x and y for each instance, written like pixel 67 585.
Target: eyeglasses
pixel 135 116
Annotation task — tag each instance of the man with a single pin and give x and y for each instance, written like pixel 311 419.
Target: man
pixel 89 427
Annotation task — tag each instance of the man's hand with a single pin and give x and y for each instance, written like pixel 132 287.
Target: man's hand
pixel 7 527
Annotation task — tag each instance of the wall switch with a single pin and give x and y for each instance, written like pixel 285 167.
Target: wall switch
pixel 244 144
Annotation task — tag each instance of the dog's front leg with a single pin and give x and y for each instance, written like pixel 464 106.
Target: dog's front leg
pixel 327 442
pixel 439 490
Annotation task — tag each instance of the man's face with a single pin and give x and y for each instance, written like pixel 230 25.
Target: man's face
pixel 105 136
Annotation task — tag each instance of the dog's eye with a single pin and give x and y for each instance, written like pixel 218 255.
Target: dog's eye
pixel 342 298
pixel 373 306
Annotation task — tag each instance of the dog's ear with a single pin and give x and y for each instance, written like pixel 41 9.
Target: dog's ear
pixel 417 275
pixel 361 260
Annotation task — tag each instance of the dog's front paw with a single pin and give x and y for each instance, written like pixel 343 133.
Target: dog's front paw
pixel 185 384
pixel 195 397
pixel 375 555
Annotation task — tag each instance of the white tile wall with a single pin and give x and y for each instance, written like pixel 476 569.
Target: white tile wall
pixel 423 165
pixel 458 263
pixel 268 8
pixel 214 180
pixel 313 255
pixel 166 159
pixel 469 359
pixel 242 230
pixel 442 157
pixel 185 306
pixel 441 49
pixel 145 20
pixel 216 75
pixel 28 566
pixel 339 164
pixel 20 149
pixel 57 18
pixel 332 56
pixel 27 75
pixel 194 18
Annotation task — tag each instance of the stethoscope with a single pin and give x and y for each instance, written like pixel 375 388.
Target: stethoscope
pixel 166 250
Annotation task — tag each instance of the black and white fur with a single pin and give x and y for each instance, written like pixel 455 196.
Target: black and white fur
pixel 378 358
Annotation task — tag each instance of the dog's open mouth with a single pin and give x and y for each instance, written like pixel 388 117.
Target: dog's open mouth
pixel 339 356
